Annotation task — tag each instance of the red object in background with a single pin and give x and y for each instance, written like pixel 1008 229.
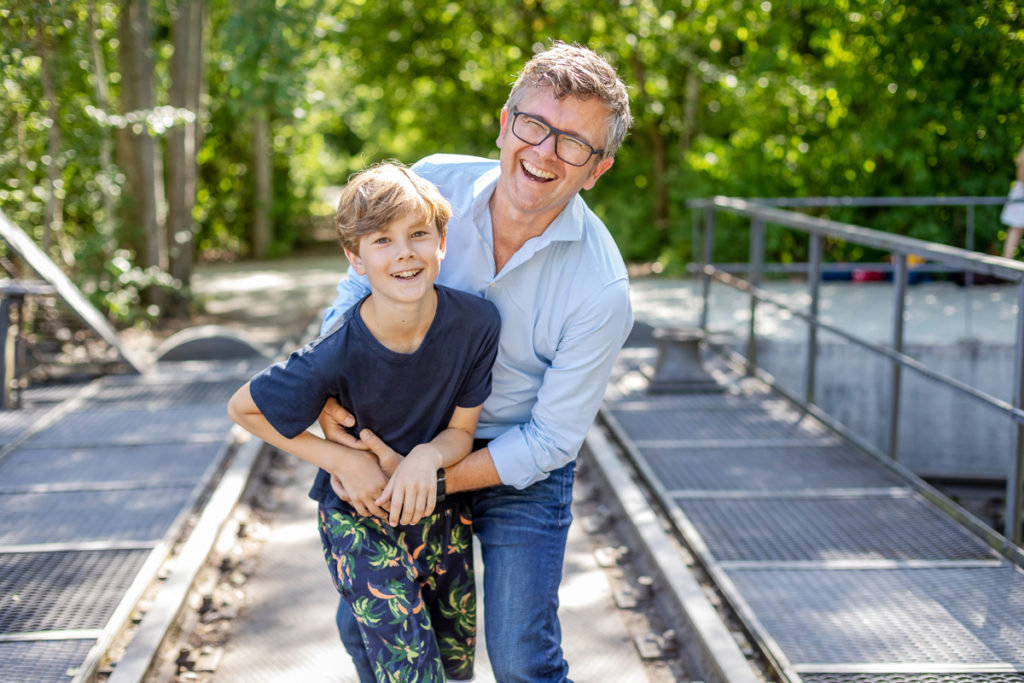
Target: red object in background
pixel 867 276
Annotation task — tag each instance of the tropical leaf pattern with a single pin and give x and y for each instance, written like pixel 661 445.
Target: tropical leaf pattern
pixel 411 588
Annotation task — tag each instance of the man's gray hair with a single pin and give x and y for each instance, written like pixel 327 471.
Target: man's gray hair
pixel 577 71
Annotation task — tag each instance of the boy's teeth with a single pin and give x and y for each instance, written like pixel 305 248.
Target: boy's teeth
pixel 405 275
pixel 533 170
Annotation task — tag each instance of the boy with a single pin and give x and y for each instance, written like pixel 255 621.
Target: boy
pixel 406 571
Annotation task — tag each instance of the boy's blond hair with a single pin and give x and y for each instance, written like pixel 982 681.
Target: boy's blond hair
pixel 578 71
pixel 381 194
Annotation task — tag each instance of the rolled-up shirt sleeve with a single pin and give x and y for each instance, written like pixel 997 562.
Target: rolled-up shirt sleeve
pixel 349 291
pixel 570 393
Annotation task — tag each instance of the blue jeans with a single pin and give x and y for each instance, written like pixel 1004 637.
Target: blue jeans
pixel 522 537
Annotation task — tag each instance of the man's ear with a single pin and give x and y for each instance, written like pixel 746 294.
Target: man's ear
pixel 598 171
pixel 503 123
pixel 356 262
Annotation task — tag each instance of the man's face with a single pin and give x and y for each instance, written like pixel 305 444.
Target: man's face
pixel 402 260
pixel 533 179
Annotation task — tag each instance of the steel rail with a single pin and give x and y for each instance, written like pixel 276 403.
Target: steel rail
pixel 766 212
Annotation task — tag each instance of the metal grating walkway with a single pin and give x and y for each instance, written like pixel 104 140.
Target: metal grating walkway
pixel 94 487
pixel 840 568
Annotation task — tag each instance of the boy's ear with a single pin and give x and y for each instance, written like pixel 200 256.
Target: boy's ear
pixel 356 262
pixel 444 245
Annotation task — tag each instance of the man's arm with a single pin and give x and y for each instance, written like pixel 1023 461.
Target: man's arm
pixel 570 394
pixel 475 471
pixel 568 400
pixel 363 477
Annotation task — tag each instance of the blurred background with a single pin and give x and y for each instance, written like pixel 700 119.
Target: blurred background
pixel 140 138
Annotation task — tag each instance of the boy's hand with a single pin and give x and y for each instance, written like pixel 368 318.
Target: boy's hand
pixel 362 482
pixel 412 489
pixel 333 420
pixel 339 488
pixel 388 458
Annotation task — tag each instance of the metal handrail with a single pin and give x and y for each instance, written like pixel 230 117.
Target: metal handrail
pixel 807 202
pixel 839 202
pixel 762 214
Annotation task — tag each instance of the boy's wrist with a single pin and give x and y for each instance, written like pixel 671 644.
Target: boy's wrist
pixel 434 455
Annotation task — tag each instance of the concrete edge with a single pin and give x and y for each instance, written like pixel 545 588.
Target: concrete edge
pixel 707 641
pixel 185 566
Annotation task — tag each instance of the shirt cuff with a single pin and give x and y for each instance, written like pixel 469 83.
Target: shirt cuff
pixel 513 460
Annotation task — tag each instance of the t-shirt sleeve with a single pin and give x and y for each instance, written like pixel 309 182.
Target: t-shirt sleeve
pixel 291 394
pixel 477 386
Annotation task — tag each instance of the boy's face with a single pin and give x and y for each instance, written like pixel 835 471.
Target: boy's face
pixel 401 260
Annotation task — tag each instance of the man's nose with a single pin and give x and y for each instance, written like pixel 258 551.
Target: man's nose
pixel 549 144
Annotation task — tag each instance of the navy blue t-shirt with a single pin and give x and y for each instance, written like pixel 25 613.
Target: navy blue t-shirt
pixel 404 398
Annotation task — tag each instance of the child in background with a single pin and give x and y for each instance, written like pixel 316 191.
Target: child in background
pixel 1013 212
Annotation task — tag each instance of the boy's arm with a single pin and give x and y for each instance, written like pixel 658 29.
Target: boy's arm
pixel 360 471
pixel 412 489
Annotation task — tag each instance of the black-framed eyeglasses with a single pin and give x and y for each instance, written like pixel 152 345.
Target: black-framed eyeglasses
pixel 568 148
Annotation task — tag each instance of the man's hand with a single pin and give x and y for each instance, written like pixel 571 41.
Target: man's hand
pixel 388 458
pixel 411 492
pixel 333 420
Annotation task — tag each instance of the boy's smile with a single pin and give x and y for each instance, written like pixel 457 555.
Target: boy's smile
pixel 402 260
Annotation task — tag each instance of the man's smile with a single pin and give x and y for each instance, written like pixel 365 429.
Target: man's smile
pixel 535 173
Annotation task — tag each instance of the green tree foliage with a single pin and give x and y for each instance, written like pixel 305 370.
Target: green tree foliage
pixel 802 98
pixel 806 98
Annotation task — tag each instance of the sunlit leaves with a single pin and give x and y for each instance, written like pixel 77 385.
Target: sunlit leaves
pixel 810 97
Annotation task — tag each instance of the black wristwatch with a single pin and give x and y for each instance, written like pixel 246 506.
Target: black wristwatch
pixel 441 493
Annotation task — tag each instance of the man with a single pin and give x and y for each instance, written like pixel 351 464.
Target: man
pixel 521 237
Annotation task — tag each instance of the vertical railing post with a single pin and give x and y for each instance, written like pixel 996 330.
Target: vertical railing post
pixel 709 245
pixel 1015 473
pixel 969 229
pixel 814 288
pixel 756 267
pixel 6 369
pixel 899 281
pixel 968 273
pixel 695 221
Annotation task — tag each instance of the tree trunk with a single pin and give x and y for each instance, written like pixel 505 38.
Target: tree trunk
pixel 182 141
pixel 52 213
pixel 658 181
pixel 106 221
pixel 138 153
pixel 689 111
pixel 262 224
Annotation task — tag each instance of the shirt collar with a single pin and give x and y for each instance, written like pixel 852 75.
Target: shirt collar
pixel 483 188
pixel 566 227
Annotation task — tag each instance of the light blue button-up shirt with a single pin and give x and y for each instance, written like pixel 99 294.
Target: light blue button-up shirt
pixel 565 313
